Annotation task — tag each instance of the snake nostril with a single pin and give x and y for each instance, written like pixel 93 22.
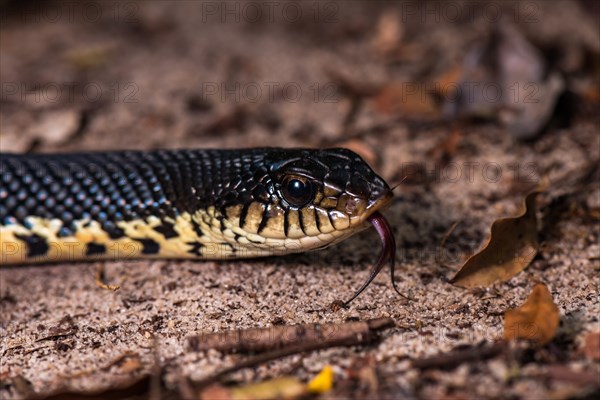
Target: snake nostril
pixel 351 206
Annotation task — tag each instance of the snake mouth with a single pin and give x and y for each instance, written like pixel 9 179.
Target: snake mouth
pixel 382 200
pixel 379 202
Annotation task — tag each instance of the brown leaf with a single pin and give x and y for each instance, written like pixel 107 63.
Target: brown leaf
pixel 537 319
pixel 506 60
pixel 131 365
pixel 216 392
pixel 369 153
pixel 410 99
pixel 445 151
pixel 512 246
pixel 388 33
pixel 126 362
pixel 591 348
pixel 445 83
pixel 363 372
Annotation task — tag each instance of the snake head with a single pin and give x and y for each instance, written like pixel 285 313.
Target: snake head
pixel 334 180
pixel 306 199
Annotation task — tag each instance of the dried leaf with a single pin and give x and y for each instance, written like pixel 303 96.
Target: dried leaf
pixel 279 388
pixel 411 99
pixel 323 382
pixel 591 347
pixel 512 246
pixel 537 319
pixel 527 88
pixel 369 153
pixel 388 33
pixel 215 392
pixel 445 83
pixel 56 127
pixel 445 151
pixel 101 280
pixel 131 365
pixel 90 58
pixel 363 373
pixel 285 387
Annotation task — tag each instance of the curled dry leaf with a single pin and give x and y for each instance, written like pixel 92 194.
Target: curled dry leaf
pixel 537 319
pixel 512 246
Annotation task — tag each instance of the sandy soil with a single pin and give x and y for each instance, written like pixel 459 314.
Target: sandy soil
pixel 157 75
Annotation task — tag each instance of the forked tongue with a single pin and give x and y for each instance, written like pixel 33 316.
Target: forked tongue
pixel 388 253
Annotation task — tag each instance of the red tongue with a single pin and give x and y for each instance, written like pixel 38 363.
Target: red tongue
pixel 388 253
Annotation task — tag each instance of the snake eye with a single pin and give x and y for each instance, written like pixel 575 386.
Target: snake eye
pixel 297 190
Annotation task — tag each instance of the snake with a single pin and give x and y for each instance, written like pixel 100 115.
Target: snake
pixel 214 204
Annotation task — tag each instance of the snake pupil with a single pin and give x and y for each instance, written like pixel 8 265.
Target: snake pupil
pixel 297 191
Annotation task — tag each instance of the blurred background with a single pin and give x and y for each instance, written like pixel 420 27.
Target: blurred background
pixel 113 75
pixel 467 105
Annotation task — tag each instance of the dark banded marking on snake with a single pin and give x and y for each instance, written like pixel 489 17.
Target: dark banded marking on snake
pixel 266 214
pixel 94 249
pixel 36 245
pixel 149 246
pixel 206 204
pixel 167 229
pixel 300 221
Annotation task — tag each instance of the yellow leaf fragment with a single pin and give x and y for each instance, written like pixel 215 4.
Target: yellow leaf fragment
pixel 279 388
pixel 512 246
pixel 537 319
pixel 323 382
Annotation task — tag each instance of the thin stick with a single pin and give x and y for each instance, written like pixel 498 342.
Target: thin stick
pixel 358 338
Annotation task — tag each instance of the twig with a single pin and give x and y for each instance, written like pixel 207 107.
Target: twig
pixel 155 377
pixel 275 337
pixel 123 390
pixel 565 374
pixel 356 337
pixel 455 358
pixel 448 233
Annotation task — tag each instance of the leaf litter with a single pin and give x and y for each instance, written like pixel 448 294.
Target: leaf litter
pixel 510 249
pixel 536 320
